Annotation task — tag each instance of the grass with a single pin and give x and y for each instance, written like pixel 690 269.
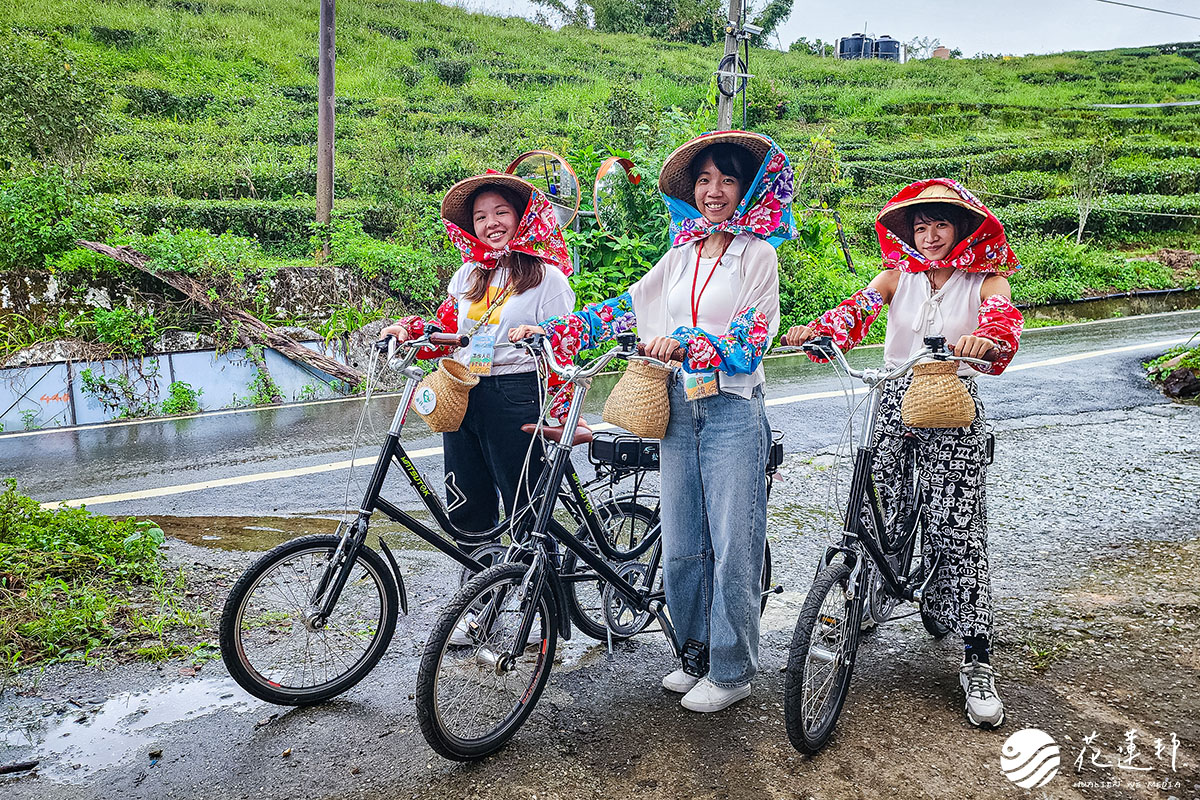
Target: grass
pixel 75 586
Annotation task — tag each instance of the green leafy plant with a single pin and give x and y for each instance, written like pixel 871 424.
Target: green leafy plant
pixel 68 577
pixel 53 106
pixel 41 215
pixel 181 399
pixel 125 329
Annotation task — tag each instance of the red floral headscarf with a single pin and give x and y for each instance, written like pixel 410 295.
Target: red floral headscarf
pixel 984 250
pixel 538 234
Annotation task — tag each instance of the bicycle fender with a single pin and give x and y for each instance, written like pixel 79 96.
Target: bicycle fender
pixel 560 599
pixel 396 574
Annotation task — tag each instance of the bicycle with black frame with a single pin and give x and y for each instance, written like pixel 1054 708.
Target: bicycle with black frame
pixel 312 617
pixel 472 699
pixel 874 568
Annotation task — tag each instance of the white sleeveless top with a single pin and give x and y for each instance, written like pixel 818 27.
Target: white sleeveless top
pixel 914 314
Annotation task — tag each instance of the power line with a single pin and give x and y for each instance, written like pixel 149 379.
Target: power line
pixel 1147 8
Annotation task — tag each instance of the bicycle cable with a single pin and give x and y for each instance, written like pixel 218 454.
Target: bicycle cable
pixel 368 387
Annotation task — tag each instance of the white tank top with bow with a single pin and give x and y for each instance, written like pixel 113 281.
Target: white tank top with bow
pixel 916 312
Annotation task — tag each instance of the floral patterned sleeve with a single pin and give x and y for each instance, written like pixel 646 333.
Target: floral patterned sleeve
pixel 446 318
pixel 848 324
pixel 1000 321
pixel 738 352
pixel 583 330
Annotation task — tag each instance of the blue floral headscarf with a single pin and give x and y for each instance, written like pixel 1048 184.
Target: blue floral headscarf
pixel 765 210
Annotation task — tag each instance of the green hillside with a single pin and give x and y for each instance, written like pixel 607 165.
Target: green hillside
pixel 211 123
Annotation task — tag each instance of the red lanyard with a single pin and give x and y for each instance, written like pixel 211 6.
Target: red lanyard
pixel 696 275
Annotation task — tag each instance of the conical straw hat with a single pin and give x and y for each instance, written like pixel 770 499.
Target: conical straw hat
pixel 895 217
pixel 456 204
pixel 675 179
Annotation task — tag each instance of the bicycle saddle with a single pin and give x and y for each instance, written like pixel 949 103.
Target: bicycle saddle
pixel 582 435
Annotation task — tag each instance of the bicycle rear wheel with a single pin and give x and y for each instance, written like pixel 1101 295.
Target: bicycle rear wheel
pixel 471 697
pixel 275 651
pixel 629 527
pixel 820 661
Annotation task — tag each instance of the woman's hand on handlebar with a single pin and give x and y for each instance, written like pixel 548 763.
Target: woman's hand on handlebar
pixel 524 332
pixel 798 335
pixel 973 347
pixel 663 348
pixel 398 331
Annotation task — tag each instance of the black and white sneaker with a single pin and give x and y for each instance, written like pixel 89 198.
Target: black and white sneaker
pixel 984 708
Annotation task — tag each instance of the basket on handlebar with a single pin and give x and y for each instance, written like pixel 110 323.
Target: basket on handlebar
pixel 441 397
pixel 936 398
pixel 639 402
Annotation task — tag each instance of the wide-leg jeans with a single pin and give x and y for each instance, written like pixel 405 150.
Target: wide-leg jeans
pixel 714 521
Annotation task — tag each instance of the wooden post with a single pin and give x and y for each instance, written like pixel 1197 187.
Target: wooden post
pixel 325 100
pixel 725 104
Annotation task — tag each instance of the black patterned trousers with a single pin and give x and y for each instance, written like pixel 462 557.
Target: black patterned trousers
pixel 951 468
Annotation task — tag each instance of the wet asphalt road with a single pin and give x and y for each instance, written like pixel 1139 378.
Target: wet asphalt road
pixel 73 464
pixel 1094 468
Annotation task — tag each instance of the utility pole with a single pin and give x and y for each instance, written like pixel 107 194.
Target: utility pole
pixel 725 104
pixel 325 95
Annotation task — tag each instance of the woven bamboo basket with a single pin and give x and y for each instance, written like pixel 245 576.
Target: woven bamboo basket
pixel 936 398
pixel 441 396
pixel 639 402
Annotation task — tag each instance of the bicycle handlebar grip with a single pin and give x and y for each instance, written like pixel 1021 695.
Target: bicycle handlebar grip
pixel 382 344
pixel 819 345
pixel 678 354
pixel 449 339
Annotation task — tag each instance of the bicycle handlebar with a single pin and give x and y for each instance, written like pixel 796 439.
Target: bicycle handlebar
pixel 826 348
pixel 538 346
pixel 678 354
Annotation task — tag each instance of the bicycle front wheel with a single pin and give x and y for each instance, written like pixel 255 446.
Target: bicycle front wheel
pixel 272 647
pixel 472 697
pixel 820 661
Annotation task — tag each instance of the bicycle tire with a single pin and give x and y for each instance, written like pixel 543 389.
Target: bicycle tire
pixel 807 732
pixel 479 663
pixel 252 632
pixel 585 601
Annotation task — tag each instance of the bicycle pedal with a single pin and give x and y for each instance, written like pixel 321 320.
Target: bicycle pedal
pixel 695 658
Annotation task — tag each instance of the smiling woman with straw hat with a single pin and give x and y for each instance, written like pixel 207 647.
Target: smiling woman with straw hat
pixel 715 294
pixel 514 271
pixel 946 262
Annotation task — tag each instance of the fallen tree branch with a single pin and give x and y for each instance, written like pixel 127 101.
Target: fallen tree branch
pixel 250 329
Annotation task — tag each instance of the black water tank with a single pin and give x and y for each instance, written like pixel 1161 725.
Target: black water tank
pixel 887 48
pixel 856 46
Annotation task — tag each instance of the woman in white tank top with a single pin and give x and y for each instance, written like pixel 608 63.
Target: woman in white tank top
pixel 946 261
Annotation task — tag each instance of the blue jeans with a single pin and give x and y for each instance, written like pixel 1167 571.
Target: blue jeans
pixel 714 521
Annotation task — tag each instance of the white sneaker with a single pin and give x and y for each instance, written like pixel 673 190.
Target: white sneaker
pixel 984 707
pixel 679 682
pixel 707 697
pixel 461 636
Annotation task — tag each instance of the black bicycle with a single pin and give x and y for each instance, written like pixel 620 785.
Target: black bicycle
pixel 597 608
pixel 875 567
pixel 313 616
pixel 475 691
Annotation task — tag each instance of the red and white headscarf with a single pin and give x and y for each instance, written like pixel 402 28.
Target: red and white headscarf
pixel 537 234
pixel 984 250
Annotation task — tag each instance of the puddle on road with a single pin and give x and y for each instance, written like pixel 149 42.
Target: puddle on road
pixel 87 741
pixel 258 534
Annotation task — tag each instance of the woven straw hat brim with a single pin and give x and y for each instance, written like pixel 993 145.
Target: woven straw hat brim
pixel 675 179
pixel 456 204
pixel 895 218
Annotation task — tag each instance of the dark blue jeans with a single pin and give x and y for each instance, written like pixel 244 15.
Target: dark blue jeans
pixel 485 455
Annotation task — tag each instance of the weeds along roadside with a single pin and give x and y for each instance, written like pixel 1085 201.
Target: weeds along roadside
pixel 78 586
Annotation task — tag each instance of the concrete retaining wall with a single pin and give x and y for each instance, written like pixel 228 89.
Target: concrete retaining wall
pixel 51 395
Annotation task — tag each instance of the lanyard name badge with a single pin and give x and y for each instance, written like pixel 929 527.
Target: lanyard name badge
pixel 698 385
pixel 483 342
